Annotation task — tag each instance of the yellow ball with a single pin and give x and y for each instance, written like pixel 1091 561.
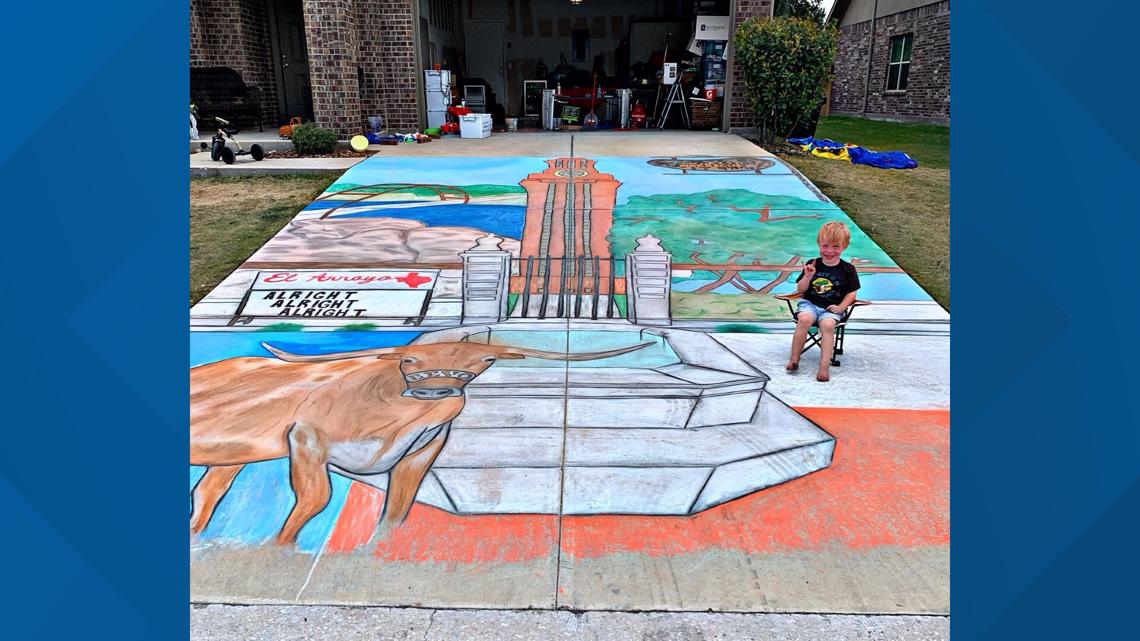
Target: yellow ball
pixel 359 143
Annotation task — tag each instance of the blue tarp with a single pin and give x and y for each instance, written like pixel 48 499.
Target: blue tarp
pixel 827 144
pixel 860 155
pixel 816 142
pixel 881 159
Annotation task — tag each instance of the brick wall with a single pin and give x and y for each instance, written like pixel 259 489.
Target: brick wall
pixel 258 67
pixel 851 68
pixel 740 115
pixel 235 34
pixel 331 40
pixel 361 56
pixel 388 58
pixel 197 47
pixel 370 22
pixel 927 96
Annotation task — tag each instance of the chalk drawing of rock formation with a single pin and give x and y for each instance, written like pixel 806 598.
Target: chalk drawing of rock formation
pixel 362 240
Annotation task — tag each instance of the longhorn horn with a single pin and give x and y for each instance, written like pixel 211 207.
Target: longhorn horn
pixel 581 356
pixel 321 358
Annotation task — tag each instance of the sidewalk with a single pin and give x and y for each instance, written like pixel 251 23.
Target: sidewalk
pixel 288 623
pixel 201 166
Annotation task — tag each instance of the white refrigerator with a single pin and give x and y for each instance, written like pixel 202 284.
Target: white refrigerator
pixel 437 86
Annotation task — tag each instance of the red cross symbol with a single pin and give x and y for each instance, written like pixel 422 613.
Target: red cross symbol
pixel 413 279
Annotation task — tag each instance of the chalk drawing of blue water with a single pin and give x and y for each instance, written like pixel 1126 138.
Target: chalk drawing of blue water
pixel 658 353
pixel 502 220
pixel 208 347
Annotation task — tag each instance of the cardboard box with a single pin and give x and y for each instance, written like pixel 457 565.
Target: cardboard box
pixel 475 126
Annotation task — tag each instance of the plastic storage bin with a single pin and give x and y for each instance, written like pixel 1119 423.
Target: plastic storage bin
pixel 475 126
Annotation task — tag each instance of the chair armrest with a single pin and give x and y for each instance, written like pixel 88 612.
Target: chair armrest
pixel 788 297
pixel 847 314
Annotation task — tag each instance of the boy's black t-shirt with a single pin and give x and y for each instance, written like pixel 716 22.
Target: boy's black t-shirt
pixel 831 284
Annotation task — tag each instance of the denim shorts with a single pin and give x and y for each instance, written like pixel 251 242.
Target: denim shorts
pixel 817 311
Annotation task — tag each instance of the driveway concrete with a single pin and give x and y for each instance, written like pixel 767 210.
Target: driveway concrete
pixel 581 485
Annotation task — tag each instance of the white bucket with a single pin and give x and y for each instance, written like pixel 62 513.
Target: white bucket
pixel 512 124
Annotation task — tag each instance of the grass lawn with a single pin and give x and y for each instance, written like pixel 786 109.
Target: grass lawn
pixel 907 212
pixel 230 218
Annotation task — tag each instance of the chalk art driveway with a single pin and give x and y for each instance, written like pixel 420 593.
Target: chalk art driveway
pixel 691 473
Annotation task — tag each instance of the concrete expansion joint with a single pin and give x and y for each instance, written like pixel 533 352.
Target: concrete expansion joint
pixel 578 613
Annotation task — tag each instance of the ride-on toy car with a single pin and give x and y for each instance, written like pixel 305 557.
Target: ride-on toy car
pixel 220 150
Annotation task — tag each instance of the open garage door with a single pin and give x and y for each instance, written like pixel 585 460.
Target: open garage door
pixel 514 49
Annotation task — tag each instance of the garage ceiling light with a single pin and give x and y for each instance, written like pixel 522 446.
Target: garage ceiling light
pixel 575 2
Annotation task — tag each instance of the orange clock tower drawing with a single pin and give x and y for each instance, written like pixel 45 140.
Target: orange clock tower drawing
pixel 569 212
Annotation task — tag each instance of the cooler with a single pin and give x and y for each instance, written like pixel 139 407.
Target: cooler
pixel 475 126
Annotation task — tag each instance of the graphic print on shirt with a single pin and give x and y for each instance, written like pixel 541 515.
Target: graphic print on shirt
pixel 821 286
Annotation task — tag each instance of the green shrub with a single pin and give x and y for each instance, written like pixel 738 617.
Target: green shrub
pixel 311 139
pixel 810 9
pixel 786 62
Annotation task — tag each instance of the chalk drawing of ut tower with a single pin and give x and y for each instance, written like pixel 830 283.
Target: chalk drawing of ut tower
pixel 569 212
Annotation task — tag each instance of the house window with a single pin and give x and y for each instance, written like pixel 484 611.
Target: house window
pixel 899 67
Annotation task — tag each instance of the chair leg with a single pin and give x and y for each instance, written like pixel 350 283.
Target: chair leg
pixel 839 339
pixel 812 341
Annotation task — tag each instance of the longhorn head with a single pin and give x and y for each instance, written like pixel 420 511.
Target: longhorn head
pixel 436 371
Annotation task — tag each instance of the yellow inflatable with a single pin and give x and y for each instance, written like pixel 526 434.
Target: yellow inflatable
pixel 838 153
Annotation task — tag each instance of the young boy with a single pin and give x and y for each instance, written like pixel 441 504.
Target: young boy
pixel 828 284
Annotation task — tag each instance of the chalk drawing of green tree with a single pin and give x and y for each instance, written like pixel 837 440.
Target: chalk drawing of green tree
pixel 727 227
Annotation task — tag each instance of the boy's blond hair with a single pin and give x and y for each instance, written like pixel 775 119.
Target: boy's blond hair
pixel 834 232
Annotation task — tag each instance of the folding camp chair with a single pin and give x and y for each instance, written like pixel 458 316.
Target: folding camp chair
pixel 813 338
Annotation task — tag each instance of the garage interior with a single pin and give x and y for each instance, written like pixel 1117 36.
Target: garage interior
pixel 503 54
